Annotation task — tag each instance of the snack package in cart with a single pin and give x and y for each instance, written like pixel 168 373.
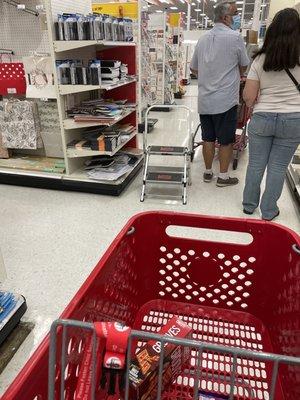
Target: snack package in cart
pixel 207 396
pixel 111 350
pixel 144 368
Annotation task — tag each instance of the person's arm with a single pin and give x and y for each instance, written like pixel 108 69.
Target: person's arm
pixel 194 62
pixel 252 87
pixel 243 59
pixel 251 92
pixel 242 70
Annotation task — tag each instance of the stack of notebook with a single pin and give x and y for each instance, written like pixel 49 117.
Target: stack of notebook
pixel 102 111
pixel 111 169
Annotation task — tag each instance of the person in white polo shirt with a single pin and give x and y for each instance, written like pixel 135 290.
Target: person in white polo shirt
pixel 219 60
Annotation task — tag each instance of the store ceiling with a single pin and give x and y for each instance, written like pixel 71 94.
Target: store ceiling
pixel 202 9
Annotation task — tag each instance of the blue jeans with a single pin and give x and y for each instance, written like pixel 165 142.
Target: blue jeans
pixel 273 140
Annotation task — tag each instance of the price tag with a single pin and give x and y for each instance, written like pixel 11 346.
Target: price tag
pixel 21 7
pixel 11 90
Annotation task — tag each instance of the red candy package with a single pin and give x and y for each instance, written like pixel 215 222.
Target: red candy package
pixel 144 368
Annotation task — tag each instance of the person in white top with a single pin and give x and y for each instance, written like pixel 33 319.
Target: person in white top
pixel 273 89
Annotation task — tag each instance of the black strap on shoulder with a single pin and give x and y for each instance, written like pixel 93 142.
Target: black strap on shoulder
pixel 297 84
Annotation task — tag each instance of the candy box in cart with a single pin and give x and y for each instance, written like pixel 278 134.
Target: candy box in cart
pixel 144 368
pixel 207 396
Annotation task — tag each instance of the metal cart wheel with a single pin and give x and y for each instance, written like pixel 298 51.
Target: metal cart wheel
pixel 235 164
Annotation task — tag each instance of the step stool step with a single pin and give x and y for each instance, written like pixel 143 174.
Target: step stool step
pixel 167 150
pixel 165 169
pixel 165 177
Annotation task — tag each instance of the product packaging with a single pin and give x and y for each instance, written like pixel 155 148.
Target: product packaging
pixel 99 30
pixel 59 28
pixel 83 27
pixel 121 30
pixel 107 28
pixel 70 26
pixel 115 29
pixel 63 72
pixel 95 68
pixel 144 368
pixel 128 27
pixel 208 396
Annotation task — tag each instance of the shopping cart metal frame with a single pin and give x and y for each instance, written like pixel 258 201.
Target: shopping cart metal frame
pixel 233 352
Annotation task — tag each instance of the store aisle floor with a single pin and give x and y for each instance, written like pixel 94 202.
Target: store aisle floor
pixel 51 240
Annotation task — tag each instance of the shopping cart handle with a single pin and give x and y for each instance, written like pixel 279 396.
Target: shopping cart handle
pixel 296 248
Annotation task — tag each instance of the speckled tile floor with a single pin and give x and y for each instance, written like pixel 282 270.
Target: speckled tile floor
pixel 51 240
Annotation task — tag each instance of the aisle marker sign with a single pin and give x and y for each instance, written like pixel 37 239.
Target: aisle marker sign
pixel 119 10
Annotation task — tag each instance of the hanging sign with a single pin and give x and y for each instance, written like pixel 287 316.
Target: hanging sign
pixel 119 10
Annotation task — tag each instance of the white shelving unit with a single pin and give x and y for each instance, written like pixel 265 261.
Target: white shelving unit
pixel 160 38
pixel 62 46
pixel 72 89
pixel 75 177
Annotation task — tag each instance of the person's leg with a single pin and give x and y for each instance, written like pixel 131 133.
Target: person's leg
pixel 225 157
pixel 225 127
pixel 208 151
pixel 259 151
pixel 286 141
pixel 209 139
pixel 280 157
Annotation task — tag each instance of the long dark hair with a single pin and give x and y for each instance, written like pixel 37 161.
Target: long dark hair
pixel 282 42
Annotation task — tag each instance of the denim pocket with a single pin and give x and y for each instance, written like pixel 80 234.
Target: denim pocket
pixel 290 130
pixel 258 124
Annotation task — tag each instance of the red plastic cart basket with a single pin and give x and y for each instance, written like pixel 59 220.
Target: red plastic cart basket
pixel 237 294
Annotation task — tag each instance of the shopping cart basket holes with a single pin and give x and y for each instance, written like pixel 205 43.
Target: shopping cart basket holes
pixel 180 281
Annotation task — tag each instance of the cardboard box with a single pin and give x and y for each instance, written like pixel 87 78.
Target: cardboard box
pixel 252 37
pixel 144 368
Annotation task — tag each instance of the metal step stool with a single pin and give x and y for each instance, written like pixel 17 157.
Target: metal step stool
pixel 168 175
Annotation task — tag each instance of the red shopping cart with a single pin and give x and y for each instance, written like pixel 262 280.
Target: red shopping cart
pixel 240 297
pixel 241 139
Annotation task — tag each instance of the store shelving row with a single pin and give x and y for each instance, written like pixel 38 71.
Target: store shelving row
pixel 66 96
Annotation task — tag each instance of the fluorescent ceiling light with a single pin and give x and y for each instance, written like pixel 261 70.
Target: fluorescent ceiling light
pixel 239 2
pixel 158 11
pixel 173 8
pixel 240 8
pixel 202 15
pixel 198 9
pixel 263 5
